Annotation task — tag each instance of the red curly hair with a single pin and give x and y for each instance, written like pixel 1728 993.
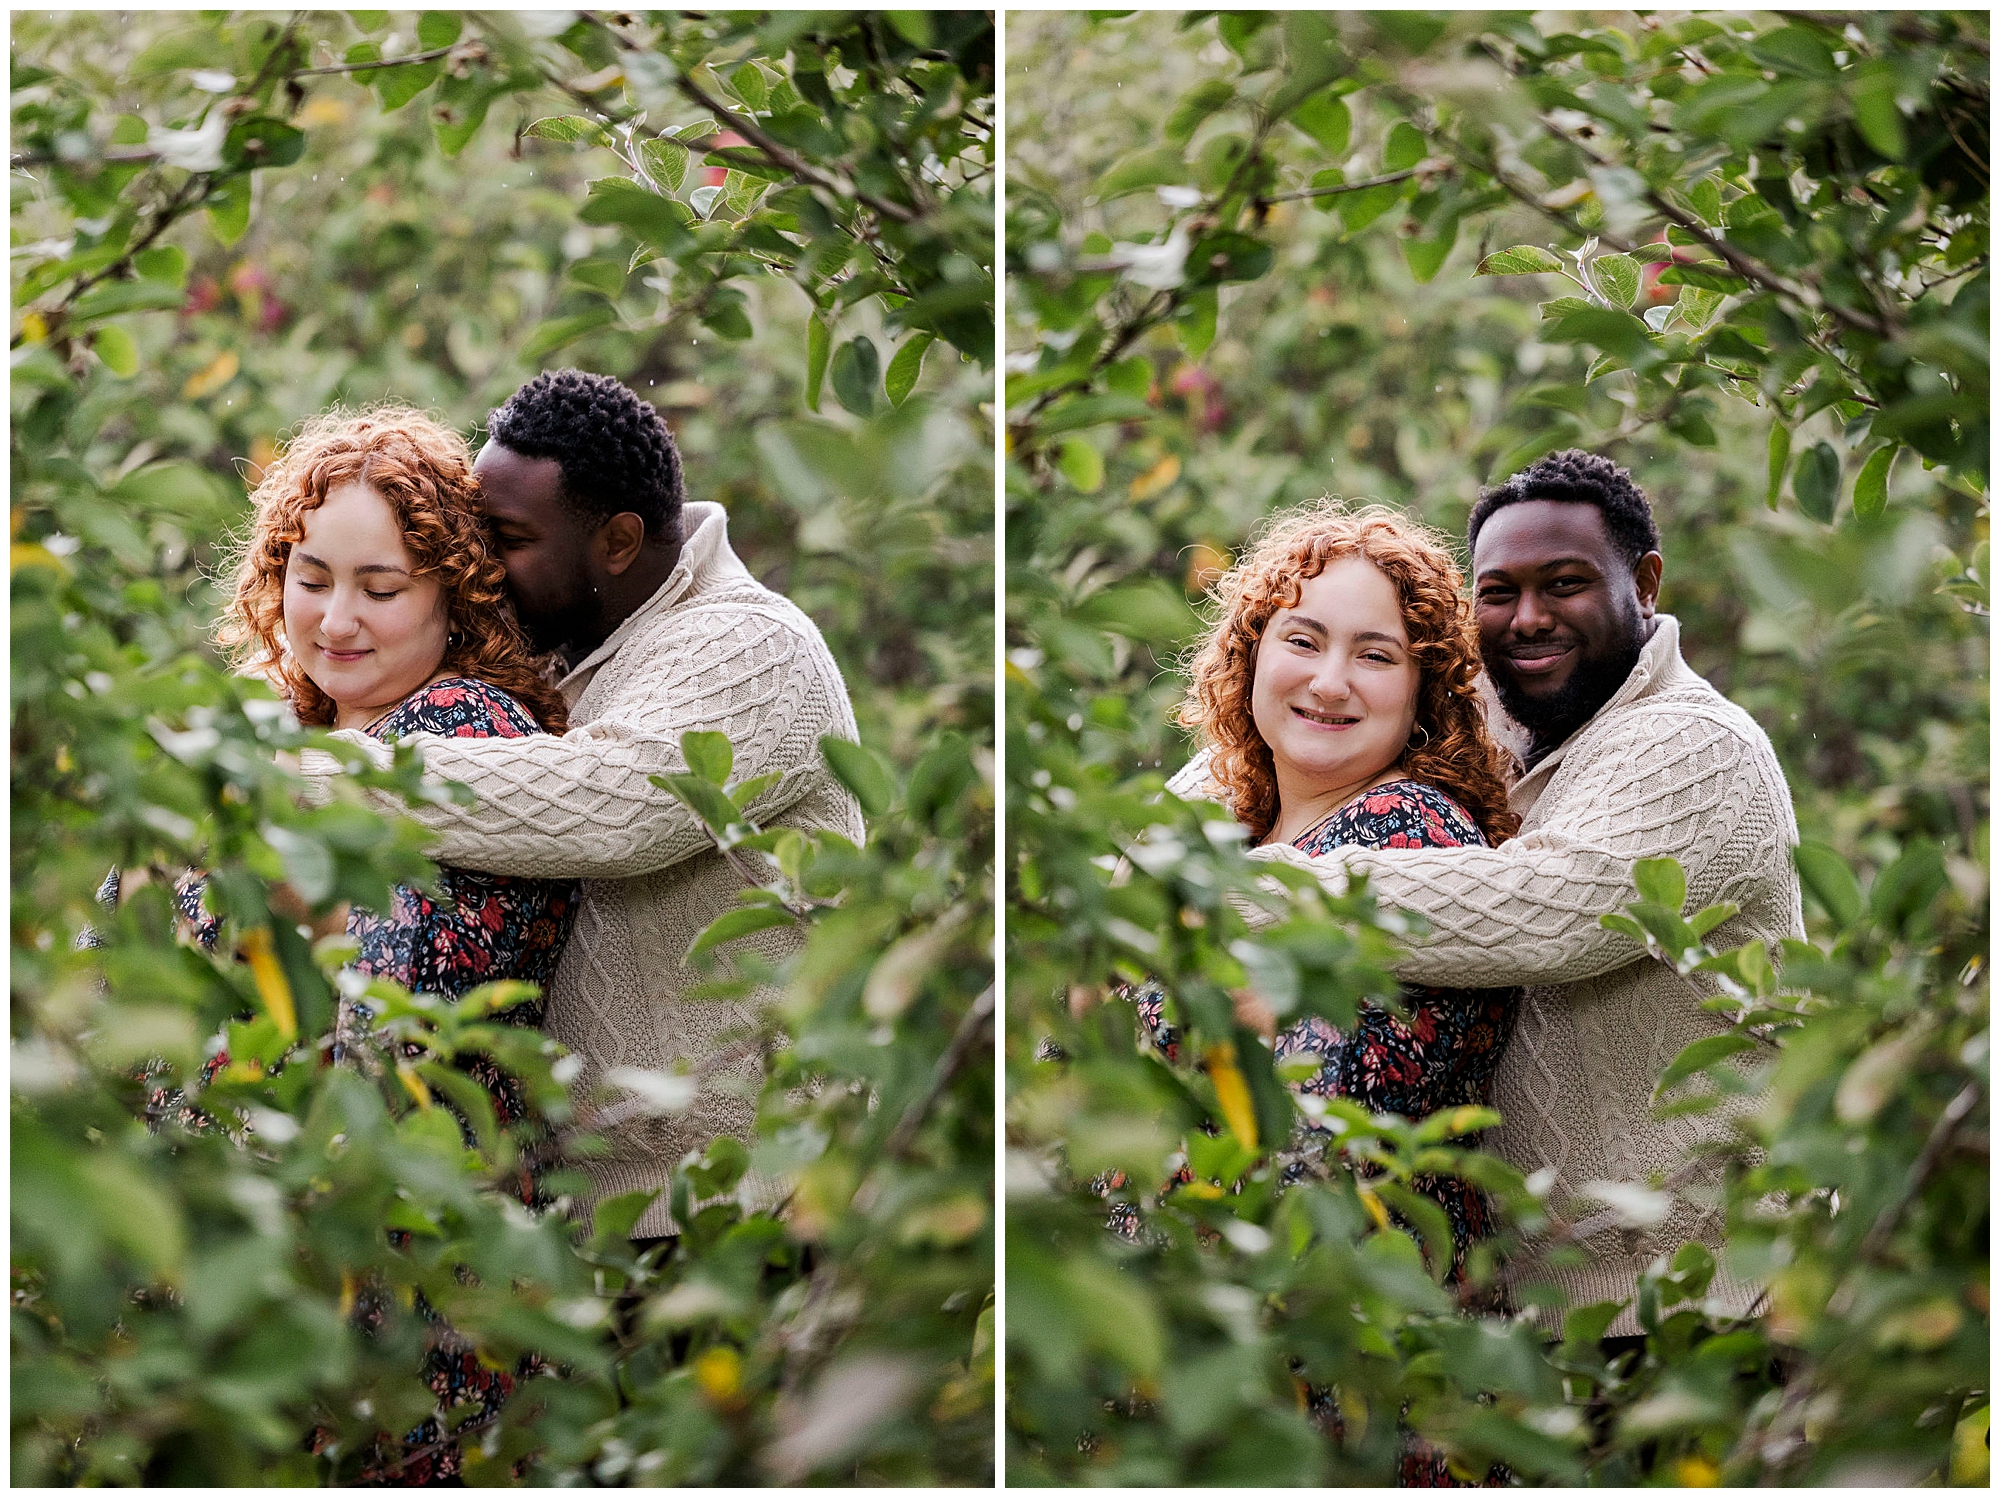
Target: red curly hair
pixel 424 471
pixel 1457 755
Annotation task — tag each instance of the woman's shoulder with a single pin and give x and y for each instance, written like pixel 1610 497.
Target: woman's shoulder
pixel 1398 814
pixel 459 707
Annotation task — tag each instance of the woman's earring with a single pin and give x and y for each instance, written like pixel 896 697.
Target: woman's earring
pixel 1427 738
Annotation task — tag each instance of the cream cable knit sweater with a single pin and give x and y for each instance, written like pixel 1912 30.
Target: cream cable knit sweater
pixel 712 649
pixel 1667 767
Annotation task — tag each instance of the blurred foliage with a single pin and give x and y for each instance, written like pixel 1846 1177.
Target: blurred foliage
pixel 1259 257
pixel 778 227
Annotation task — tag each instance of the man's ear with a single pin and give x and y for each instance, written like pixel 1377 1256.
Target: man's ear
pixel 619 540
pixel 1646 578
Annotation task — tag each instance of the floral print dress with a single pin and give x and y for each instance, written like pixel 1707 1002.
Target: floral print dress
pixel 478 928
pixel 1443 1057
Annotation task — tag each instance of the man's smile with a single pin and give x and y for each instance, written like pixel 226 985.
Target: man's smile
pixel 1538 657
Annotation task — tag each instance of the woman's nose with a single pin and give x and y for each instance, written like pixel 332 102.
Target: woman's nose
pixel 340 619
pixel 1330 680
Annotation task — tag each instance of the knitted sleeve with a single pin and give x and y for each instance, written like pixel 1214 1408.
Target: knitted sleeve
pixel 582 806
pixel 1675 782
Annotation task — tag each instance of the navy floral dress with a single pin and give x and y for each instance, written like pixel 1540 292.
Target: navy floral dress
pixel 478 928
pixel 1443 1057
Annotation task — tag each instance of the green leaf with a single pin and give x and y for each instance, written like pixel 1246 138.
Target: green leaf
pixel 1661 881
pixel 1082 464
pixel 1872 93
pixel 559 332
pixel 1616 332
pixel 115 347
pixel 114 298
pixel 1706 277
pixel 1326 119
pixel 708 754
pixel 569 129
pixel 621 201
pixel 438 28
pixel 1871 485
pixel 1701 1055
pixel 163 262
pixel 1709 917
pixel 1150 611
pixel 744 921
pixel 723 312
pixel 1563 306
pixel 1617 277
pixel 615 1217
pixel 749 86
pixel 1196 105
pixel 1131 377
pixel 1160 166
pixel 1585 1325
pixel 229 211
pixel 1524 260
pixel 1816 481
pixel 1228 256
pixel 819 343
pixel 667 160
pixel 1359 209
pixel 857 374
pixel 1779 450
pixel 1195 322
pixel 742 795
pixel 703 797
pixel 1404 148
pixel 1829 880
pixel 857 767
pixel 606 277
pixel 396 86
pixel 906 366
pixel 913 26
pixel 1426 257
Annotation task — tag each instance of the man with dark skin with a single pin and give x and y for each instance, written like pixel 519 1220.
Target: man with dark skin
pixel 1626 754
pixel 656 629
pixel 1562 614
pixel 571 584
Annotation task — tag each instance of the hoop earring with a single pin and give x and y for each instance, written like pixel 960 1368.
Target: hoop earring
pixel 1427 738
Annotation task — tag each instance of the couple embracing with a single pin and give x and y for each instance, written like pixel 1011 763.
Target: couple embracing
pixel 1498 764
pixel 544 622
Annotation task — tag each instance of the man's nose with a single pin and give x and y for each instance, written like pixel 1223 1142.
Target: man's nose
pixel 1531 617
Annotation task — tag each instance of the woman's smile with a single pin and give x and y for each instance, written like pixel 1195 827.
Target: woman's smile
pixel 1326 720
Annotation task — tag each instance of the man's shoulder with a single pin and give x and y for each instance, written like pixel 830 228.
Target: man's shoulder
pixel 1685 710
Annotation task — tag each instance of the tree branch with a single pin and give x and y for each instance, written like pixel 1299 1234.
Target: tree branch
pixel 375 67
pixel 976 1020
pixel 1339 187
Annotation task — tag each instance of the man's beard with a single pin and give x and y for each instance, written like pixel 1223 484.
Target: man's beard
pixel 1594 682
pixel 560 628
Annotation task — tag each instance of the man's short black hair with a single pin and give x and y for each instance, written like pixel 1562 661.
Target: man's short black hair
pixel 615 452
pixel 1578 477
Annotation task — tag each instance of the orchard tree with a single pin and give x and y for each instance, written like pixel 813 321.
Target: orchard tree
pixel 1259 256
pixel 779 227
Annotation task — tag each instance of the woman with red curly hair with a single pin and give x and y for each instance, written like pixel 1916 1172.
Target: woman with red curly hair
pixel 1336 698
pixel 368 595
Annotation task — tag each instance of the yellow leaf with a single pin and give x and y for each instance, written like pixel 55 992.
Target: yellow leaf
pixel 1206 562
pixel 32 554
pixel 1156 478
pixel 33 328
pixel 1232 1095
pixel 414 1086
pixel 719 1372
pixel 348 1284
pixel 322 110
pixel 272 988
pixel 1375 1208
pixel 1697 1472
pixel 219 373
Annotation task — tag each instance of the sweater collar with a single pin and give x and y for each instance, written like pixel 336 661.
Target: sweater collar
pixel 706 563
pixel 1659 661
